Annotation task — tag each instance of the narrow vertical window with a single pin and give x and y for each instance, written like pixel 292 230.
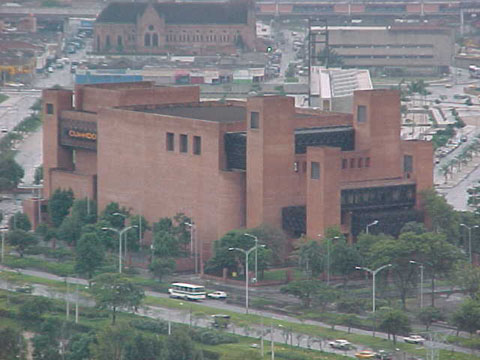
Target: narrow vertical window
pixel 119 41
pixel 50 109
pixel 197 145
pixel 254 120
pixel 407 163
pixel 170 142
pixel 360 162
pixel 146 41
pixel 183 143
pixel 107 41
pixel 155 40
pixel 344 163
pixel 367 162
pixel 352 163
pixel 361 113
pixel 315 170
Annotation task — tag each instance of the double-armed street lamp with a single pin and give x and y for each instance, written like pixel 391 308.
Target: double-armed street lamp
pixel 375 222
pixel 246 252
pixel 374 273
pixel 120 234
pixel 328 255
pixel 193 244
pixel 422 267
pixel 256 253
pixel 469 228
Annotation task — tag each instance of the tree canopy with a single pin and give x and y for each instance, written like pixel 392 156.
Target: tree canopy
pixel 59 205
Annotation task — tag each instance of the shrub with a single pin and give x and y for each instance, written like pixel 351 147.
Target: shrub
pixel 212 337
pixel 290 355
pixel 157 327
pixel 210 355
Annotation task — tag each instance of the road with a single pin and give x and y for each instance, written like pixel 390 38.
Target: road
pixel 270 318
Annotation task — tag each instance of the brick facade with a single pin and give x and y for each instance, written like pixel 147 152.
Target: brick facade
pixel 159 151
pixel 179 28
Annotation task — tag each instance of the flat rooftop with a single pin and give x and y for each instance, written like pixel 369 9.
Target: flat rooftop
pixel 224 114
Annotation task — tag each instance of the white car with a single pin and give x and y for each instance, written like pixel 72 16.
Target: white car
pixel 414 339
pixel 340 344
pixel 218 295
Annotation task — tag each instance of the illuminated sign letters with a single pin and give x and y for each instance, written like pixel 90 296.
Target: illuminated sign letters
pixel 82 135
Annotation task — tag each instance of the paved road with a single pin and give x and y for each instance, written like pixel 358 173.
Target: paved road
pixel 168 314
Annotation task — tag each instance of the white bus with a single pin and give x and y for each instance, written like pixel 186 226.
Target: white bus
pixel 187 291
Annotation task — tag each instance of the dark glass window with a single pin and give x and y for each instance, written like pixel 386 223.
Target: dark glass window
pixel 107 41
pixel 360 162
pixel 315 170
pixel 119 41
pixel 49 109
pixel 407 163
pixel 183 143
pixel 197 145
pixel 352 163
pixel 367 162
pixel 170 142
pixel 361 113
pixel 155 40
pixel 344 163
pixel 254 120
pixel 147 40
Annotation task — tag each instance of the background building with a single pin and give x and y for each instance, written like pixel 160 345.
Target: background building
pixel 180 28
pixel 394 50
pixel 159 151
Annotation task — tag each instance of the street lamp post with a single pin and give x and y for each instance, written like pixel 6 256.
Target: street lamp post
pixel 3 229
pixel 469 228
pixel 246 252
pixel 256 254
pixel 375 222
pixel 421 280
pixel 374 273
pixel 193 244
pixel 120 234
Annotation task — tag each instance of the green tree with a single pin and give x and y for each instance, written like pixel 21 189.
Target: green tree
pixel 467 316
pixel 180 346
pixel 162 267
pixel 310 255
pixel 11 343
pixel 108 239
pixel 274 238
pixel 19 221
pixel 305 290
pixel 438 255
pixel 38 176
pixel 428 315
pixel 84 211
pixel 414 227
pixel 10 173
pixel 344 258
pixel 112 342
pixel 89 254
pixel 394 322
pixel 398 252
pixel 134 235
pixel 34 307
pixel 164 240
pixel 79 346
pixel 116 221
pixel 21 240
pixel 330 58
pixel 45 348
pixel 114 291
pixel 59 205
pixel 443 216
pixel 145 347
pixel 467 277
pixel 350 320
pixel 70 230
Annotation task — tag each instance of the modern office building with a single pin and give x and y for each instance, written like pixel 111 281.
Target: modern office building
pixel 199 28
pixel 395 50
pixel 160 150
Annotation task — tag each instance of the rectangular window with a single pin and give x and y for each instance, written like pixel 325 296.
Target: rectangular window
pixel 344 163
pixel 197 145
pixel 170 142
pixel 360 162
pixel 352 163
pixel 315 170
pixel 183 143
pixel 254 120
pixel 408 163
pixel 367 162
pixel 49 109
pixel 361 113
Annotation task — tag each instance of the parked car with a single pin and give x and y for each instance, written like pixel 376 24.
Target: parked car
pixel 217 295
pixel 414 339
pixel 383 355
pixel 365 354
pixel 340 344
pixel 27 289
pixel 464 138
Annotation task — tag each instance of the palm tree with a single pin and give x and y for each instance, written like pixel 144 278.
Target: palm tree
pixel 445 170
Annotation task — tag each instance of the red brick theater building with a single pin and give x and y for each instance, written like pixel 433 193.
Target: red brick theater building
pixel 180 28
pixel 227 165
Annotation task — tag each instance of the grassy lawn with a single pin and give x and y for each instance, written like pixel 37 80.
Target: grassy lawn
pixel 3 97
